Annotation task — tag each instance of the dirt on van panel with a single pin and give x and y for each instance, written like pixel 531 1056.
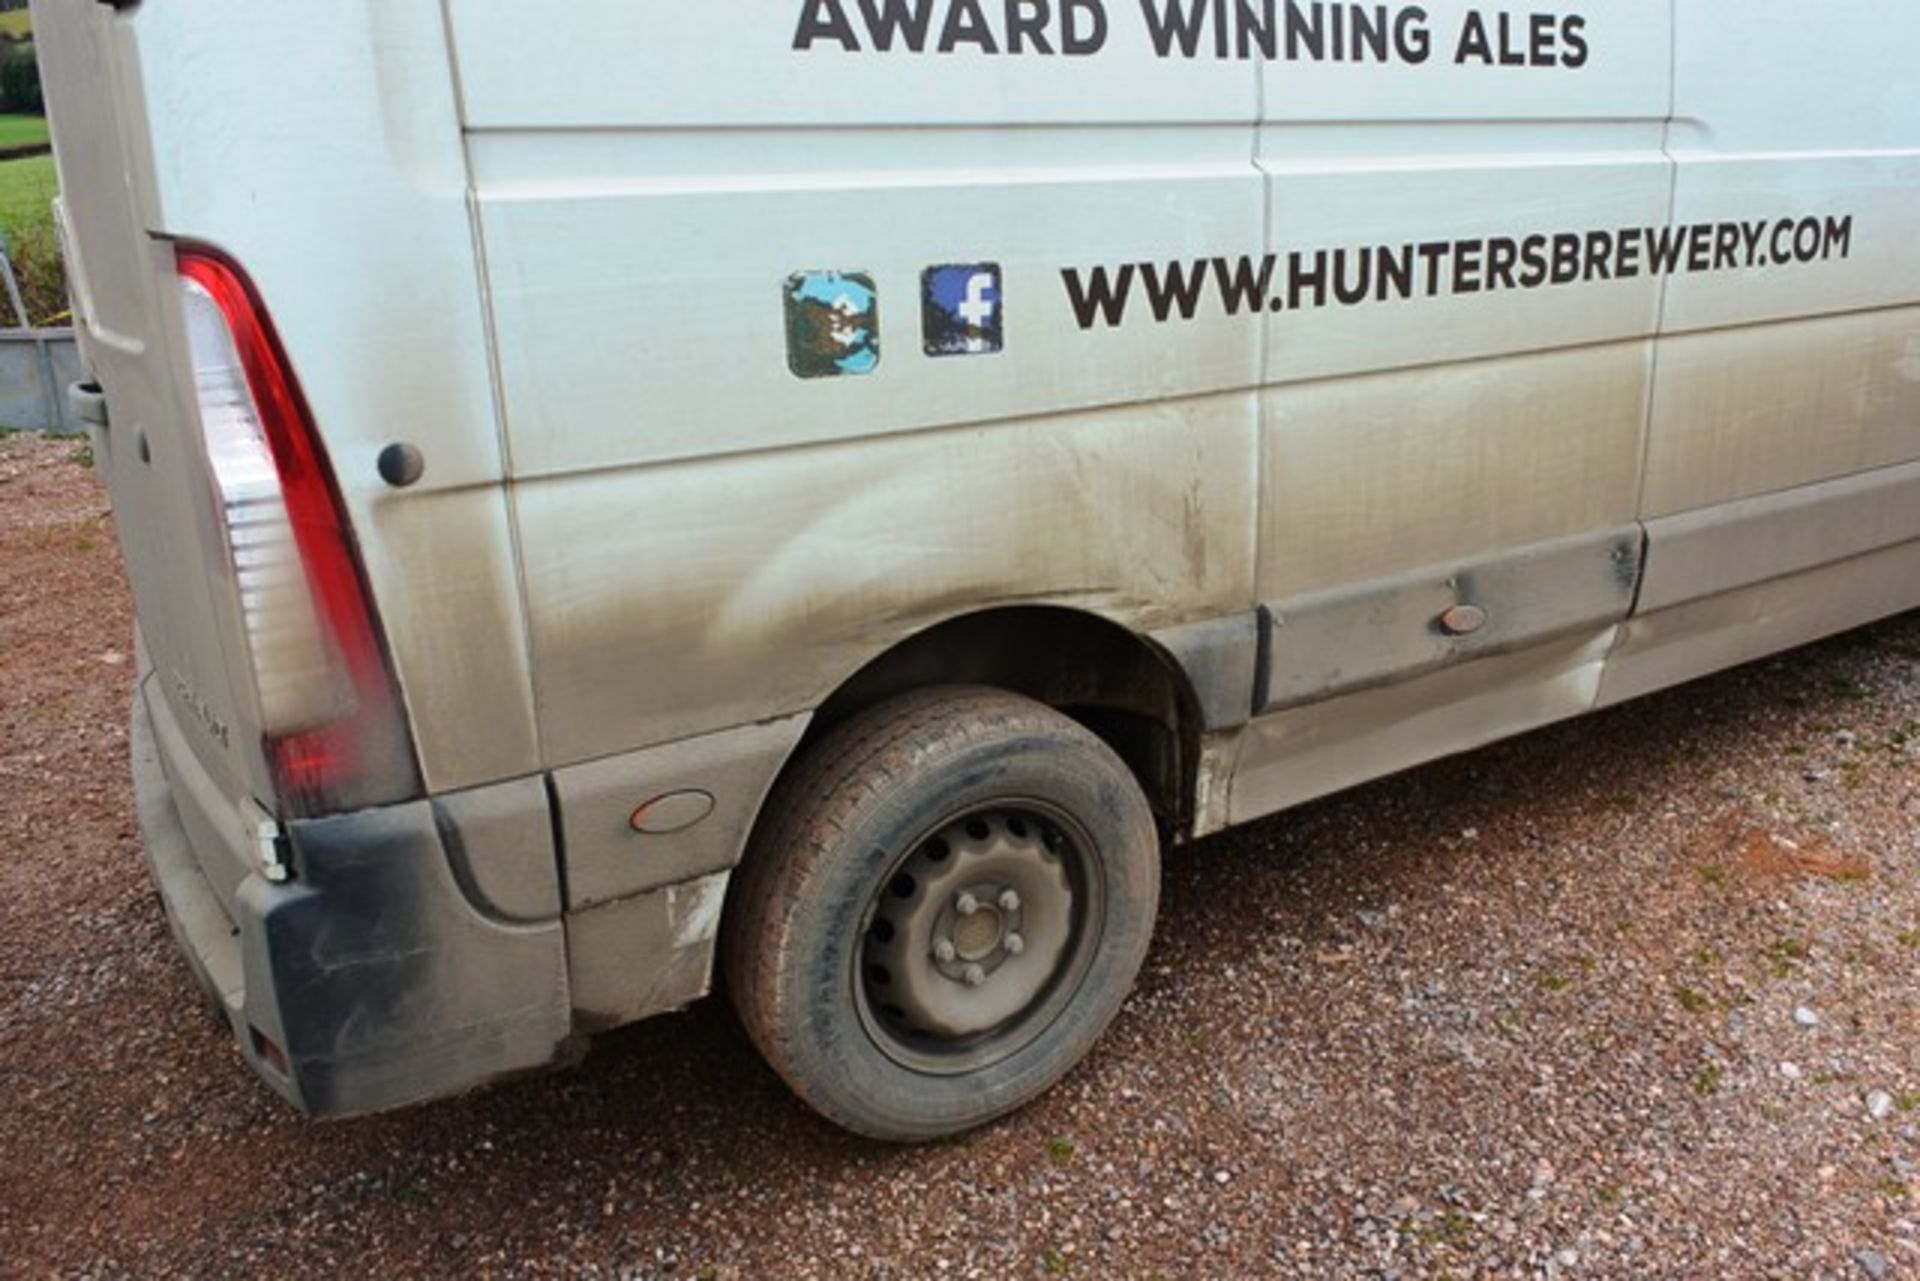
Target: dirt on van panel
pixel 1635 996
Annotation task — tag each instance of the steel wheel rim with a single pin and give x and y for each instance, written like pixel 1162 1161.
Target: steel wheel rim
pixel 943 990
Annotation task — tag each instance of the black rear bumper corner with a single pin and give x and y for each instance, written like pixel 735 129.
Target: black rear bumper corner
pixel 375 978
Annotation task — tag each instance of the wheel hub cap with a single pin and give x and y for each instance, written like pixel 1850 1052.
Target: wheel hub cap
pixel 978 936
pixel 973 928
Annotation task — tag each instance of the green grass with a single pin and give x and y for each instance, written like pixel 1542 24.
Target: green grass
pixel 21 131
pixel 18 24
pixel 27 189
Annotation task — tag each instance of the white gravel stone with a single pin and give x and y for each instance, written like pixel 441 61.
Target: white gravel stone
pixel 1873 1263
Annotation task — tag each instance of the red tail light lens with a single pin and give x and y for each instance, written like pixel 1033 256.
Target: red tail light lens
pixel 334 734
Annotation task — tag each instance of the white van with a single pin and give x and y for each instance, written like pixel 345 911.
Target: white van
pixel 826 491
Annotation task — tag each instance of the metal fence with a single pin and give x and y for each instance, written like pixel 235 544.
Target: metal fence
pixel 36 368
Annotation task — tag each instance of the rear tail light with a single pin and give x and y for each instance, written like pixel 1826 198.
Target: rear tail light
pixel 334 734
pixel 270 1052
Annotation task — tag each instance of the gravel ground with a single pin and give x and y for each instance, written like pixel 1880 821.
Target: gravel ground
pixel 1632 997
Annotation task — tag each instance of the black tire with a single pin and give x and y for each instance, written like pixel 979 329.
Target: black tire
pixel 833 840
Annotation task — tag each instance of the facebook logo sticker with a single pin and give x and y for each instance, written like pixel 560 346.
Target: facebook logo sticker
pixel 961 308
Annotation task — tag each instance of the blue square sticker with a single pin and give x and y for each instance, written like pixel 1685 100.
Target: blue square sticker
pixel 962 310
pixel 833 324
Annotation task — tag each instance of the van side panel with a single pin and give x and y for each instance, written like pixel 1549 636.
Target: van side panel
pixel 638 277
pixel 668 600
pixel 1796 364
pixel 1314 751
pixel 712 539
pixel 1345 442
pixel 1474 440
pixel 1780 375
pixel 1758 409
pixel 614 64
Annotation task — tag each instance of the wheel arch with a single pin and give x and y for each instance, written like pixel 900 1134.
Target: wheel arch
pixel 1125 687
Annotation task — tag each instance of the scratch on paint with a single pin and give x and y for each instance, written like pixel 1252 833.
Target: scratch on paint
pixel 694 909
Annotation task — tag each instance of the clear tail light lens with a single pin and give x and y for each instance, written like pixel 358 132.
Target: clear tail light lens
pixel 334 734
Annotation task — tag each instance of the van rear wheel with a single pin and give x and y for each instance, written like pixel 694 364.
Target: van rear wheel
pixel 946 902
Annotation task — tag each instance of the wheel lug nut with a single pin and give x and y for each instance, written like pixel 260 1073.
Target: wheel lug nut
pixel 943 951
pixel 966 905
pixel 974 975
pixel 1009 901
pixel 1014 945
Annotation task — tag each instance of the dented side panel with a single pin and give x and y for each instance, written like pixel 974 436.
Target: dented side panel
pixel 1311 751
pixel 1727 628
pixel 1375 633
pixel 1354 461
pixel 1386 516
pixel 668 601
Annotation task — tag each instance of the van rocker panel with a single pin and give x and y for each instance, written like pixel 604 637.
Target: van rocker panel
pixel 1329 643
